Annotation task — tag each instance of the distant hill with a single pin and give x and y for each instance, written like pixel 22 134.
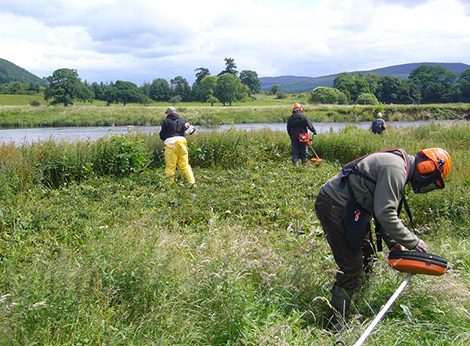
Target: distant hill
pixel 298 84
pixel 10 72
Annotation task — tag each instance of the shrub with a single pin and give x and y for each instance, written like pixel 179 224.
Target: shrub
pixel 327 95
pixel 367 99
pixel 117 156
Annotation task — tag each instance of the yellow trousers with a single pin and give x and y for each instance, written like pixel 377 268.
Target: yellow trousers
pixel 176 154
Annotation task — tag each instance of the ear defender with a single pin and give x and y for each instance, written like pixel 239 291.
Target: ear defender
pixel 299 107
pixel 433 168
pixel 427 167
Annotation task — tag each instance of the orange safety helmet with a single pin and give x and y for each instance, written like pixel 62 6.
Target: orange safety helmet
pixel 438 159
pixel 433 169
pixel 299 107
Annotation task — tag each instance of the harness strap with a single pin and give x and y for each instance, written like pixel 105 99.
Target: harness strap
pixel 403 202
pixel 351 168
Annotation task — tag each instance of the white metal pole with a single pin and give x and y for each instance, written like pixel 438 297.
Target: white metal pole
pixel 383 311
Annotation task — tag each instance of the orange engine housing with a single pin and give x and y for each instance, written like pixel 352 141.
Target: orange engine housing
pixel 417 262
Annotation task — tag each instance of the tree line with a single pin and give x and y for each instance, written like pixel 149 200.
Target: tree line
pixel 65 87
pixel 425 84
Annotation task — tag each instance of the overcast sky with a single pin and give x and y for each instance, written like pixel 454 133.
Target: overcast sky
pixel 141 40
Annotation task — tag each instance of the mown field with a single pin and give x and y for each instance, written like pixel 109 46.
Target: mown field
pixel 93 253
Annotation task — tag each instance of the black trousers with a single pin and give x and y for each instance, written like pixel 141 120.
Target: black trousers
pixel 299 151
pixel 351 264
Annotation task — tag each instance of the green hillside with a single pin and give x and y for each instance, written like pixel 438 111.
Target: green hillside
pixel 10 72
pixel 299 84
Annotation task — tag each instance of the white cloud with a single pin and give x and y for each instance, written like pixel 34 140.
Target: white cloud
pixel 139 40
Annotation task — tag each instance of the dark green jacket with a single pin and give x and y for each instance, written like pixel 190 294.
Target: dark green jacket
pixel 382 198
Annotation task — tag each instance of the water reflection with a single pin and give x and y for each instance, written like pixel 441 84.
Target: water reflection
pixel 22 136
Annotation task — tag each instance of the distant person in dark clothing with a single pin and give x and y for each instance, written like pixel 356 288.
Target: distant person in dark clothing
pixel 378 125
pixel 298 124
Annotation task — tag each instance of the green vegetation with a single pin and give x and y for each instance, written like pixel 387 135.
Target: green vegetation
pixel 266 109
pixel 425 84
pixel 94 253
pixel 65 87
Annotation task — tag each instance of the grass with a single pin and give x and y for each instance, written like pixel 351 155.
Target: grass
pixel 110 256
pixel 15 112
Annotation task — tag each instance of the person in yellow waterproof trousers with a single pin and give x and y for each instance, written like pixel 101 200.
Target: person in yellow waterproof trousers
pixel 173 134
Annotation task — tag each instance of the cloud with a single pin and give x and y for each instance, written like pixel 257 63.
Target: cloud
pixel 140 40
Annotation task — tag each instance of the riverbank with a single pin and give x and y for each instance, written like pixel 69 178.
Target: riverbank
pixel 204 115
pixel 85 133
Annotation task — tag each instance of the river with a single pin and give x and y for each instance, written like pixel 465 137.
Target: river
pixel 27 135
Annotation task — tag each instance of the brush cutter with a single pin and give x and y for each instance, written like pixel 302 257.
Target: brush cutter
pixel 153 159
pixel 305 138
pixel 410 262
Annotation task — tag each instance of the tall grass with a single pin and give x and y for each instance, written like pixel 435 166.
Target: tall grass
pixel 203 114
pixel 116 257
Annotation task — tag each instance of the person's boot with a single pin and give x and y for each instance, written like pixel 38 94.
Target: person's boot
pixel 340 301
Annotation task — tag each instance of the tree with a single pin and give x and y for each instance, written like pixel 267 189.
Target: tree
pixel 327 95
pixel 367 99
pixel 159 90
pixel 251 80
pixel 196 90
pixel 352 85
pixel 389 90
pixel 230 67
pixel 275 89
pixel 66 87
pixel 181 88
pixel 212 100
pixel 373 79
pixel 175 99
pixel 201 73
pixel 34 87
pixel 463 84
pixel 208 89
pixel 16 87
pixel 409 91
pixel 435 83
pixel 343 82
pixel 124 92
pixel 145 88
pixel 230 89
pixel 97 90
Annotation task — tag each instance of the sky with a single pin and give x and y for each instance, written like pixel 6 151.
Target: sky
pixel 142 40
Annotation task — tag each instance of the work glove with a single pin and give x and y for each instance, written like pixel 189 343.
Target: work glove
pixel 421 246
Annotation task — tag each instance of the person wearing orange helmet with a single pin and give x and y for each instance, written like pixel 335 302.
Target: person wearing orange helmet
pixel 298 124
pixel 373 187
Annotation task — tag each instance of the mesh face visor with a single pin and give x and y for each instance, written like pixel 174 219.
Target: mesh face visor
pixel 428 183
pixel 431 181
